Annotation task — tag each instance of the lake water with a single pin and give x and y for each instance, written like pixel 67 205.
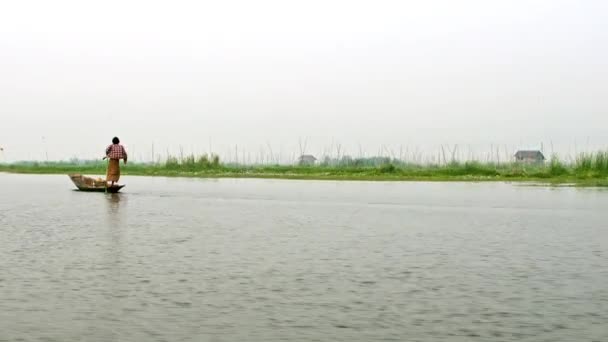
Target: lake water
pixel 278 260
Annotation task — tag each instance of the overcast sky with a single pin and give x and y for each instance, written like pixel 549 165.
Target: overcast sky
pixel 266 74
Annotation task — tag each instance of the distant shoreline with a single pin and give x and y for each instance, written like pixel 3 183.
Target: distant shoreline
pixel 466 172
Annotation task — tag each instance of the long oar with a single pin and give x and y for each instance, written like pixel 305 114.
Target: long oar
pixel 107 167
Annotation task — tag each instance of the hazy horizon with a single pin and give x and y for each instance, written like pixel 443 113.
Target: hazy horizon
pixel 369 76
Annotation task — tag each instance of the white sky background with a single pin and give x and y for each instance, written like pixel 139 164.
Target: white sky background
pixel 253 74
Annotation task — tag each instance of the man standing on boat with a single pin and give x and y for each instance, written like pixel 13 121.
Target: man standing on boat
pixel 115 153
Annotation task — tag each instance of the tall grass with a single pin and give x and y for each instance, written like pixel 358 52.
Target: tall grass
pixel 592 163
pixel 557 167
pixel 192 162
pixel 585 166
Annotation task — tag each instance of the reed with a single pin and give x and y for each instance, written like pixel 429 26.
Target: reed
pixel 592 163
pixel 587 168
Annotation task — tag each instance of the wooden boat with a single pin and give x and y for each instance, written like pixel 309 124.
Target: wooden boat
pixel 84 183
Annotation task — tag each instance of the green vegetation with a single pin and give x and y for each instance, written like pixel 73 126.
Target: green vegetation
pixel 588 169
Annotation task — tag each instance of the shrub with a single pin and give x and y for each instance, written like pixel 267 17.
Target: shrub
pixel 556 167
pixel 387 168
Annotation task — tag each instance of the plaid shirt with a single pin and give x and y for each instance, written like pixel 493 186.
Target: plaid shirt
pixel 116 151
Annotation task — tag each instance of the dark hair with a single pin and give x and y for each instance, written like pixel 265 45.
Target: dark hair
pixel 115 140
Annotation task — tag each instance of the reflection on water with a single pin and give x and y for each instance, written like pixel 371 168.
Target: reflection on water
pixel 116 206
pixel 114 200
pixel 265 260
